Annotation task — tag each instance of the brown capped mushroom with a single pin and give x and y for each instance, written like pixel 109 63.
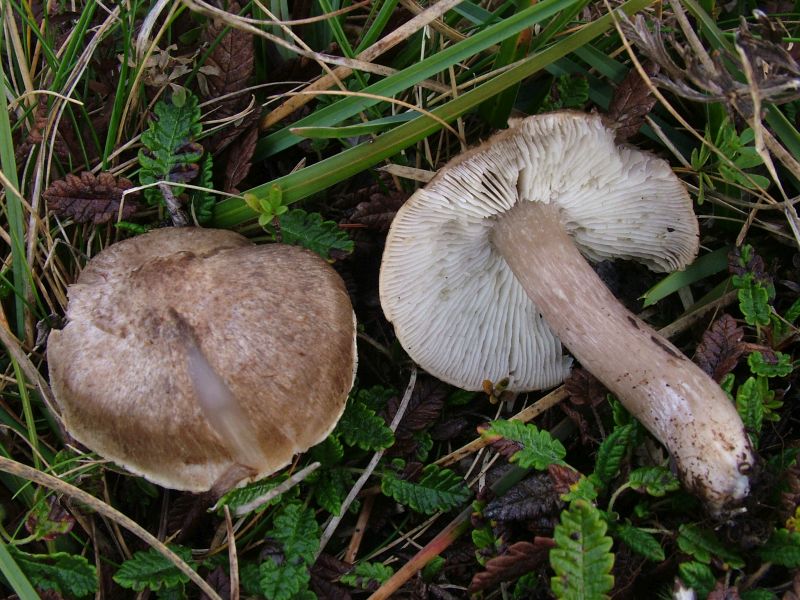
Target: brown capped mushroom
pixel 483 274
pixel 191 355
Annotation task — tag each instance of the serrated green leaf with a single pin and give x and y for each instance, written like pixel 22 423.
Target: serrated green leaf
pixel 168 144
pixel 780 368
pixel 366 574
pixel 328 452
pixel 612 451
pixel 702 545
pixel 640 541
pixel 582 557
pixel 437 490
pixel 240 496
pixel 782 548
pixel 571 92
pixel 300 228
pixel 697 576
pixel 361 427
pixel 750 404
pixel 298 531
pixel 753 300
pixel 151 570
pixel 284 581
pixel 331 489
pixel 202 203
pixel 656 481
pixel 66 574
pixel 539 448
pixel 586 488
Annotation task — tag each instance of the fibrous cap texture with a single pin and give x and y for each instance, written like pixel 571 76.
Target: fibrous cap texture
pixel 456 307
pixel 270 325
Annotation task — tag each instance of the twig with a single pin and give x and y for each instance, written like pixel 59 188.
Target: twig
pixel 277 490
pixel 15 468
pixel 334 522
pixel 358 532
pixel 179 218
pixel 233 559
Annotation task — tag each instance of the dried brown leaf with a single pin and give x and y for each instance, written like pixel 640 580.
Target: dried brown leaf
pixel 584 389
pixel 424 408
pixel 324 575
pixel 723 592
pixel 91 199
pixel 520 558
pixel 379 211
pixel 227 71
pixel 239 157
pixel 790 497
pixel 563 478
pixel 794 592
pixel 721 347
pixel 531 498
pixel 632 102
pixel 220 582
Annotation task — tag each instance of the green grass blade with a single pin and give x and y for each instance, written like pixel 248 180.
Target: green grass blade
pixel 705 266
pixel 374 126
pixel 377 26
pixel 320 176
pixel 14 575
pixel 399 82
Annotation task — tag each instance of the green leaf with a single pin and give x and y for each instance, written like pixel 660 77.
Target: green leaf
pixel 296 528
pixel 66 574
pixel 151 570
pixel 366 574
pixel 284 581
pixel 780 368
pixel 539 448
pixel 581 558
pixel 782 548
pixel 640 541
pixel 169 151
pixel 299 228
pixel 753 300
pixel 328 452
pixel 697 576
pixel 656 481
pixel 361 427
pixel 437 490
pixel 705 266
pixel 750 404
pixel 240 496
pixel 612 451
pixel 702 544
pixel 331 488
pixel 202 203
pixel 586 488
pixel 571 92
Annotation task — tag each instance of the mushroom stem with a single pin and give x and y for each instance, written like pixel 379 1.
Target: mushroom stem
pixel 672 397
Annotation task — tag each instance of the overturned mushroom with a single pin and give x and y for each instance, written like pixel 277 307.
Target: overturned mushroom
pixel 197 359
pixel 483 273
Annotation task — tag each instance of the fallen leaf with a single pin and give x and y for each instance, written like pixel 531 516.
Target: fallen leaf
pixel 91 199
pixel 720 348
pixel 520 558
pixel 531 498
pixel 632 102
pixel 239 157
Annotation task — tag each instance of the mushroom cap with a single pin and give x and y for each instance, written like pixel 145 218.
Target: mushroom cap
pixel 160 323
pixel 456 307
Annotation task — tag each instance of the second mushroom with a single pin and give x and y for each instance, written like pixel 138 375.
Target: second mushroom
pixel 484 276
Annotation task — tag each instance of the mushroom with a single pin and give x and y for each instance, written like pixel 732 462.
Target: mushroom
pixel 484 272
pixel 199 360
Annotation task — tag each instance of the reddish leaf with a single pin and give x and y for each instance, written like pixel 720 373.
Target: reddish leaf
pixel 584 388
pixel 91 199
pixel 722 592
pixel 563 478
pixel 631 103
pixel 379 211
pixel 520 558
pixel 239 157
pixel 794 593
pixel 531 498
pixel 720 348
pixel 424 408
pixel 220 582
pixel 324 575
